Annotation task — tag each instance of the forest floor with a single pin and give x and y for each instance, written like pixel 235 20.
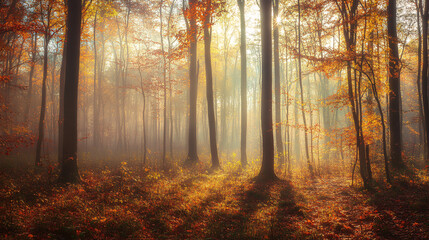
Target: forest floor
pixel 120 203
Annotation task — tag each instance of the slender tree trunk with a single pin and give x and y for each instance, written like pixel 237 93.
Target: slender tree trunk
pixel 209 85
pixel 53 110
pixel 277 86
pixel 144 128
pixel 61 103
pixel 359 104
pixel 307 154
pixel 287 103
pixel 95 104
pixel 193 75
pixel 43 105
pixel 143 117
pixel 125 58
pixel 224 95
pixel 169 79
pixel 425 89
pixel 164 75
pixel 100 88
pixel 30 79
pixel 119 143
pixel 241 5
pixel 380 109
pixel 418 80
pixel 395 89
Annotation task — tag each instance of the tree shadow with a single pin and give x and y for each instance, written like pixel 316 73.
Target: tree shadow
pixel 288 214
pixel 247 223
pixel 403 211
pixel 236 210
pixel 235 224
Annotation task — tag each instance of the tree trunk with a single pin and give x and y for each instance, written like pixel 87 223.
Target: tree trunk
pixel 169 79
pixel 380 109
pixel 307 154
pixel 277 86
pixel 69 169
pixel 143 140
pixel 192 140
pixel 349 30
pixel 53 80
pixel 61 103
pixel 418 80
pixel 95 103
pixel 395 89
pixel 241 5
pixel 209 85
pixel 43 105
pixel 267 169
pixel 425 74
pixel 30 79
pixel 287 103
pixel 119 142
pixel 164 75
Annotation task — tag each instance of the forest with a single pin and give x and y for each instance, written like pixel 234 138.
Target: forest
pixel 214 119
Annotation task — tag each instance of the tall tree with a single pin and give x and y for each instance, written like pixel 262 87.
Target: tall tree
pixel 47 38
pixel 395 89
pixel 193 77
pixel 209 84
pixel 143 140
pixel 96 125
pixel 69 170
pixel 307 154
pixel 164 75
pixel 348 12
pixel 425 18
pixel 422 123
pixel 30 79
pixel 241 5
pixel 169 76
pixel 267 169
pixel 279 142
pixel 61 103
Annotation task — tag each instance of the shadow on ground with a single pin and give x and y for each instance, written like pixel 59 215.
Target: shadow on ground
pixel 403 211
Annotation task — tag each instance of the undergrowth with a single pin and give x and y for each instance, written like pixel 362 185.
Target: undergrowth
pixel 176 203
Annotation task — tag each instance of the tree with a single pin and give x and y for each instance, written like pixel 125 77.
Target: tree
pixel 425 18
pixel 143 116
pixel 164 76
pixel 209 84
pixel 169 75
pixel 309 165
pixel 47 39
pixel 193 77
pixel 69 168
pixel 279 142
pixel 267 169
pixel 348 12
pixel 241 5
pixel 395 89
pixel 30 79
pixel 422 124
pixel 61 103
pixel 95 98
